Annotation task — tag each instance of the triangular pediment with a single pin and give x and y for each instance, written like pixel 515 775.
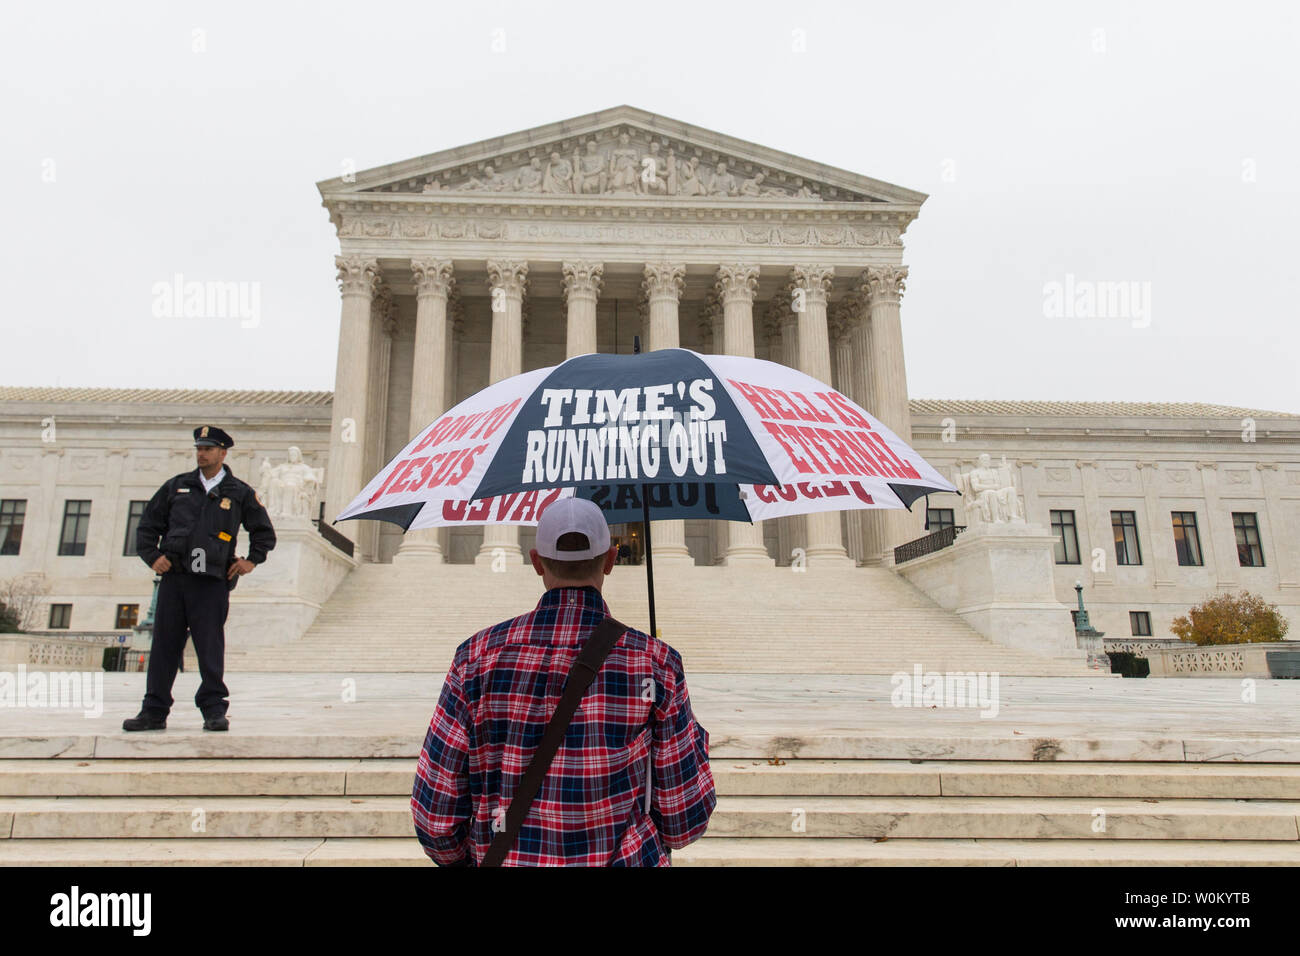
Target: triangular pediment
pixel 622 153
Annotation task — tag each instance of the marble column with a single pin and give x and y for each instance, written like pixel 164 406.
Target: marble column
pixel 784 324
pixel 809 285
pixel 433 284
pixel 507 282
pixel 736 285
pixel 871 520
pixel 663 285
pixel 884 287
pixel 582 282
pixel 358 278
pixel 712 335
pixel 842 320
pixel 383 323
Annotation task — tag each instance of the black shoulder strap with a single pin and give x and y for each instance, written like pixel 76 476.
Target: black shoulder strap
pixel 590 658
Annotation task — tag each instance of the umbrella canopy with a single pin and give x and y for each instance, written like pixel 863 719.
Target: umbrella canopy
pixel 672 433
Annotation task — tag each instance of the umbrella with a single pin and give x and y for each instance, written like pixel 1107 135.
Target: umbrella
pixel 666 434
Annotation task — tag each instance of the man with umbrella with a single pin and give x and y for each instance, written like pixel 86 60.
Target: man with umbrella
pixel 634 766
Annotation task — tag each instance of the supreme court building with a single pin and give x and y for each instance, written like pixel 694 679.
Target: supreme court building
pixel 470 265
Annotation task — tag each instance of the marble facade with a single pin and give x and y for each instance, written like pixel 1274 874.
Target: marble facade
pixel 472 264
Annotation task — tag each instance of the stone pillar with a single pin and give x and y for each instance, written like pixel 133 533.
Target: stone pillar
pixel 783 326
pixel 1097 522
pixel 736 285
pixel 884 288
pixel 1221 538
pixel 455 332
pixel 1285 559
pixel 507 282
pixel 842 321
pixel 433 285
pixel 663 286
pixel 383 323
pixel 871 520
pixel 43 523
pixel 712 334
pixel 102 542
pixel 358 278
pixel 809 287
pixel 582 282
pixel 1163 570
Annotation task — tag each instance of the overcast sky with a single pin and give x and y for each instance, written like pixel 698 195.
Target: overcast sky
pixel 1154 144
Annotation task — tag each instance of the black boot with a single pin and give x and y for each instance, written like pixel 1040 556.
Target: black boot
pixel 145 721
pixel 216 723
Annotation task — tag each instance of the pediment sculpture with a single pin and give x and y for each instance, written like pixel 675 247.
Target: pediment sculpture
pixel 629 167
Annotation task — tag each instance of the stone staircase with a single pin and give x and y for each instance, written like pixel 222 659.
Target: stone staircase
pixel 404 618
pixel 313 801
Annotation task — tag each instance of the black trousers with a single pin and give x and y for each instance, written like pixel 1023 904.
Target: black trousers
pixel 199 603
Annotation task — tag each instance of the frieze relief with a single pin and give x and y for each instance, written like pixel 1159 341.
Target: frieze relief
pixel 628 162
pixel 354 227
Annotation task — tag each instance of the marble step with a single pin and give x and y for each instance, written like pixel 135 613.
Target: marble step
pixel 766 817
pixel 186 739
pixel 393 777
pixel 399 851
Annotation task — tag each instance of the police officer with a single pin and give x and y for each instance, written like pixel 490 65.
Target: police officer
pixel 188 534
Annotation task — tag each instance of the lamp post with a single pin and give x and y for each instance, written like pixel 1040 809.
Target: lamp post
pixel 1088 637
pixel 144 630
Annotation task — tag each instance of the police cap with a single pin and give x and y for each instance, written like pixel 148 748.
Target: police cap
pixel 212 435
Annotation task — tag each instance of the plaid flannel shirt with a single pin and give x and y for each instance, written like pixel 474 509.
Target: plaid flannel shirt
pixel 503 686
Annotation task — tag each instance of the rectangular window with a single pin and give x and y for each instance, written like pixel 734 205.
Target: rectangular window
pixel 1140 623
pixel 1249 552
pixel 939 518
pixel 12 512
pixel 1124 524
pixel 1067 537
pixel 76 521
pixel 60 616
pixel 1187 542
pixel 127 615
pixel 133 515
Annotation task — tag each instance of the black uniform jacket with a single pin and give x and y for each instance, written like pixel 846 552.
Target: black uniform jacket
pixel 182 519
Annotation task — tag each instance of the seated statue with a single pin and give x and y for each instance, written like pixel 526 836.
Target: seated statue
pixel 291 489
pixel 990 494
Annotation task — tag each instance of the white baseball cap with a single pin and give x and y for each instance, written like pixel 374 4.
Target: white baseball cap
pixel 572 514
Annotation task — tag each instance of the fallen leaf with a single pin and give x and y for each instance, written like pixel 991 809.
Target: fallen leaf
pixel 1017 732
pixel 775 762
pixel 880 839
pixel 83 764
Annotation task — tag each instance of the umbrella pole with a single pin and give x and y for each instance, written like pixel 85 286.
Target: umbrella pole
pixel 649 559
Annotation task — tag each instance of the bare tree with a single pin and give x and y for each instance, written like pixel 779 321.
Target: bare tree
pixel 21 601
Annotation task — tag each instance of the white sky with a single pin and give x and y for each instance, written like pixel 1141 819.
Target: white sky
pixel 1143 142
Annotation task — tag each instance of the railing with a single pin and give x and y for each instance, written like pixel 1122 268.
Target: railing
pixel 935 541
pixel 329 534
